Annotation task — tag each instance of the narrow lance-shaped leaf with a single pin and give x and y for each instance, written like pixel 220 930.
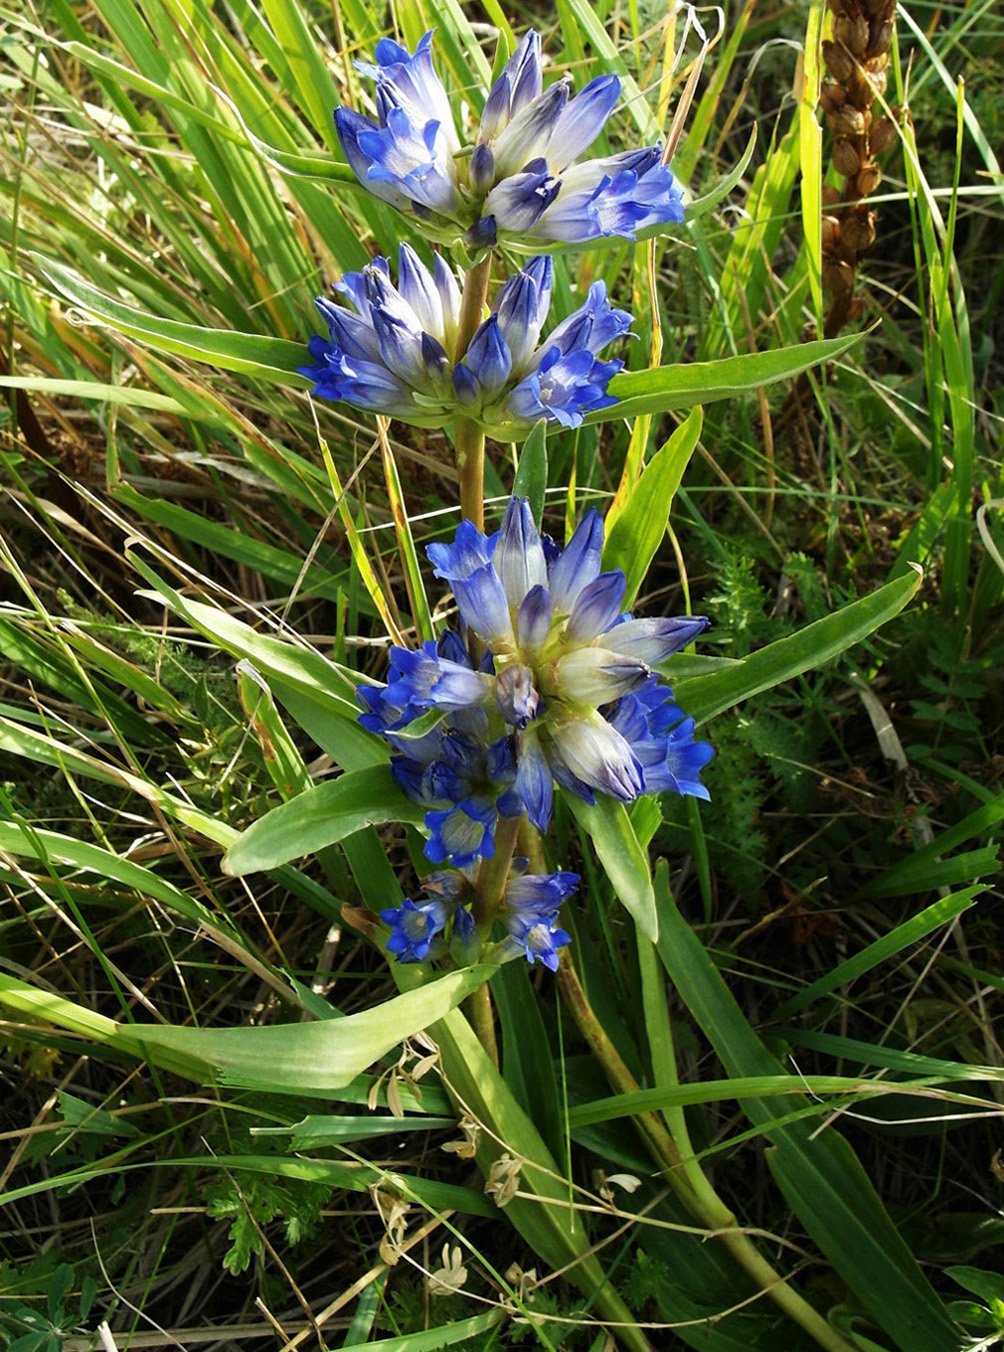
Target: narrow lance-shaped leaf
pixel 531 472
pixel 635 534
pixel 322 816
pixel 273 359
pixel 704 382
pixel 706 695
pixel 620 852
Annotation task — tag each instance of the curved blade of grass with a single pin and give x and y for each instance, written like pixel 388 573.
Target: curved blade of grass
pixel 918 927
pixel 704 696
pixel 873 1054
pixel 272 359
pixel 760 1086
pixel 820 1175
pixel 126 395
pixel 925 869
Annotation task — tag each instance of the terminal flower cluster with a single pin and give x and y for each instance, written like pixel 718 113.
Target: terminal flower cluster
pixel 392 353
pixel 520 182
pixel 443 920
pixel 565 690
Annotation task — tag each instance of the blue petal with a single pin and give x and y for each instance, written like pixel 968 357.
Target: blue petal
pixel 517 203
pixel 533 623
pixel 488 357
pixel 534 783
pixel 519 554
pixel 419 290
pixel 462 833
pixel 578 563
pixel 583 119
pixel 529 133
pixel 596 608
pixel 654 640
pixel 349 125
pixel 522 307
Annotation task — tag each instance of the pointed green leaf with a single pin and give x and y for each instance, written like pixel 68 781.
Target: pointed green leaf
pixel 704 696
pixel 703 382
pixel 624 861
pixel 322 816
pixel 531 473
pixel 635 535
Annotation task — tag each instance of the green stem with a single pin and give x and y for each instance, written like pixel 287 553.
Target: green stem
pixel 493 874
pixel 482 1020
pixel 468 437
pixel 699 1197
pixel 469 445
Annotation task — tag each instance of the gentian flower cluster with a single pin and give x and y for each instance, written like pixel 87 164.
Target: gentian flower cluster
pixel 564 691
pixel 518 183
pixel 529 912
pixel 393 353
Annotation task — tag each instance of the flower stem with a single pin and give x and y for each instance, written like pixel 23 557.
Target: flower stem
pixel 482 1020
pixel 468 438
pixel 469 445
pixel 701 1200
pixel 493 874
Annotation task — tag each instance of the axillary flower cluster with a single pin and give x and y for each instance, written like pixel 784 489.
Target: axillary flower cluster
pixel 394 348
pixel 563 691
pixel 517 183
pixel 546 681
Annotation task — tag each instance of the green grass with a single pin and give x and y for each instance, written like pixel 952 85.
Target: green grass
pixel 196 566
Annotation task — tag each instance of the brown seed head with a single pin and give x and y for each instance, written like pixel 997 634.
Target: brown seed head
pixel 832 97
pixel 849 121
pixel 831 234
pixel 838 277
pixel 881 37
pixel 831 195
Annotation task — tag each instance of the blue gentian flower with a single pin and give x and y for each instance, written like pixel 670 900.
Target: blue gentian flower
pixel 565 690
pixel 519 183
pixel 393 353
pixel 528 909
pixel 413 928
pixel 530 913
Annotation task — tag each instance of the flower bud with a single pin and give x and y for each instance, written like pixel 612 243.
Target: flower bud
pixel 482 170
